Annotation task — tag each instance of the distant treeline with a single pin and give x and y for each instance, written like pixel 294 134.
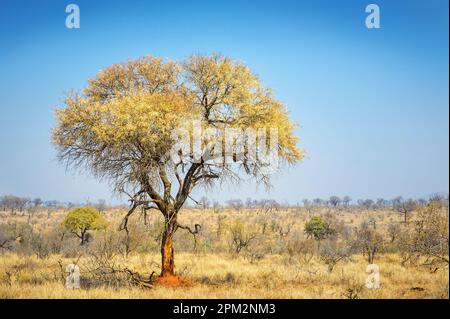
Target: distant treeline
pixel 19 204
pixel 333 201
pixel 15 203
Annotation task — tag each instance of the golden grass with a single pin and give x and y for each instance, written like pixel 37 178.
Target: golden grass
pixel 216 274
pixel 220 276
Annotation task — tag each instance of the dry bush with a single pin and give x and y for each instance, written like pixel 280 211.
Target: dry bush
pixel 369 241
pixel 301 250
pixel 240 236
pixel 353 290
pixel 426 241
pixel 257 250
pixel 103 267
pixel 15 236
pixel 332 252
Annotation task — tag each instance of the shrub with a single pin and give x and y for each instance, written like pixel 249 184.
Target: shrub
pixel 14 236
pixel 303 249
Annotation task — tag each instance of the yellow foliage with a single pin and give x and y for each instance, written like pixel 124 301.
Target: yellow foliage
pixel 129 110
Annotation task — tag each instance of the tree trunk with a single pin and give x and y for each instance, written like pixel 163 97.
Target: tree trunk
pixel 371 256
pixel 167 256
pixel 83 237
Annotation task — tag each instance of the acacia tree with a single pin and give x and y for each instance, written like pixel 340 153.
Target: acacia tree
pixel 121 128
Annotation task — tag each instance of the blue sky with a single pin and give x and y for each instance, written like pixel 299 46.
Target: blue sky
pixel 372 104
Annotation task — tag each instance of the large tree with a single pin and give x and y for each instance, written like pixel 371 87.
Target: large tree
pixel 121 128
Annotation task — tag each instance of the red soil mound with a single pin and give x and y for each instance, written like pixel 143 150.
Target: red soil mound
pixel 172 281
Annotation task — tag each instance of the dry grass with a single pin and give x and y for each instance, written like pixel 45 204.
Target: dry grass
pixel 215 273
pixel 220 276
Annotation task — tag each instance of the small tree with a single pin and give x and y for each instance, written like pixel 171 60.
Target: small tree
pixel 37 202
pixel 393 231
pixel 307 205
pixel 318 201
pixel 381 203
pixel 405 208
pixel 80 220
pixel 240 237
pixel 334 201
pixel 368 203
pixel 346 200
pixel 332 252
pixel 317 228
pixel 204 202
pixel 368 241
pixel 236 204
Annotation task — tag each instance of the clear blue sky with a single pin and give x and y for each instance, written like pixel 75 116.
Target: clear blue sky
pixel 372 104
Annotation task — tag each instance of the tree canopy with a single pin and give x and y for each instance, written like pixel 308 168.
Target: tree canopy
pixel 317 228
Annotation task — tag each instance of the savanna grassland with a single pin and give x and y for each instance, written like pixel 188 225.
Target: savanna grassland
pixel 238 253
